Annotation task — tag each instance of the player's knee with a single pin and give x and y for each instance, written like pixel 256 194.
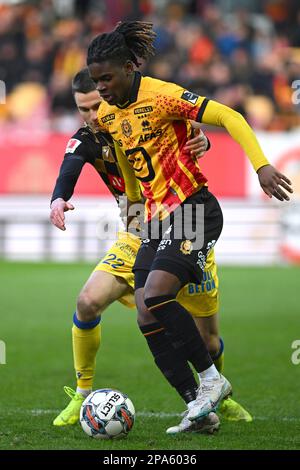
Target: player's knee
pixel 144 317
pixel 88 307
pixel 153 290
pixel 161 286
pixel 150 292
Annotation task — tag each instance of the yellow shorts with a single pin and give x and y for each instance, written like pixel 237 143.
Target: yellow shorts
pixel 119 261
pixel 201 300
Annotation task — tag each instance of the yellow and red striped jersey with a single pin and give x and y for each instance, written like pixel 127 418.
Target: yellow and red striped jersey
pixel 151 129
pixel 152 133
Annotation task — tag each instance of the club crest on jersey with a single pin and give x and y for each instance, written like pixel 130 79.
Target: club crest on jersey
pixel 72 145
pixel 189 96
pixel 126 128
pixel 186 247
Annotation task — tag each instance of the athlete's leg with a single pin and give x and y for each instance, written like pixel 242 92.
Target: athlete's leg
pixel 172 364
pixel 174 367
pixel 168 358
pixel 98 293
pixel 160 340
pixel 101 290
pixel 160 297
pixel 202 300
pixel 209 329
pixel 161 289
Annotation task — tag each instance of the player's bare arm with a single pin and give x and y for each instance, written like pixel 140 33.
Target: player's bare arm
pixel 272 182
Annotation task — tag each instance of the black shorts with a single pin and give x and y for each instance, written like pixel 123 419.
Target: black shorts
pixel 180 245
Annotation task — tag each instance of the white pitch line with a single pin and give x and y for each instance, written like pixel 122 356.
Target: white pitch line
pixel 39 412
pixel 149 414
pixel 165 415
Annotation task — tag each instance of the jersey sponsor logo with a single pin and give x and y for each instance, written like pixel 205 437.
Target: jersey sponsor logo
pixel 201 260
pixel 126 128
pixel 145 109
pixel 72 145
pixel 146 125
pixel 108 117
pixel 117 182
pixel 210 245
pixel 150 136
pixel 163 244
pixel 168 231
pixel 189 96
pixel 207 285
pixel 186 247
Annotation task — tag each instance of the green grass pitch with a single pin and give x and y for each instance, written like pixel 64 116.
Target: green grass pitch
pixel 260 310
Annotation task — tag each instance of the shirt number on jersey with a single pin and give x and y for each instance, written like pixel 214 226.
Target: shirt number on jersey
pixel 113 261
pixel 140 159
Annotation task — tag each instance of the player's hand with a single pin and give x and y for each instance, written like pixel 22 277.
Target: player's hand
pixel 57 214
pixel 272 182
pixel 198 144
pixel 137 212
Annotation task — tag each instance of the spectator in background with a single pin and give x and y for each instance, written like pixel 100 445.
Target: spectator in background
pixel 229 51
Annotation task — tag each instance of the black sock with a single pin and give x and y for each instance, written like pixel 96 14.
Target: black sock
pixel 174 367
pixel 183 332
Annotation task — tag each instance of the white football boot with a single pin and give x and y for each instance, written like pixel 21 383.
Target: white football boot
pixel 209 395
pixel 207 425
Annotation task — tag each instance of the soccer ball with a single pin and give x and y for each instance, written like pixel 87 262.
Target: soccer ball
pixel 107 413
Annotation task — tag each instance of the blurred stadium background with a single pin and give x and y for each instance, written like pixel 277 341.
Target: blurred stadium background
pixel 245 54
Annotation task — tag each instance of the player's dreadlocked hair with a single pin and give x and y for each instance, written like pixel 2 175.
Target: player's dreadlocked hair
pixel 130 40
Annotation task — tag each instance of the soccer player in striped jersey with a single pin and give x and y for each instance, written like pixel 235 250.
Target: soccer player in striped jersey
pixel 155 157
pixel 114 281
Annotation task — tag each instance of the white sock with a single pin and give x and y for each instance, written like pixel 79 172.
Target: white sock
pixel 209 374
pixel 191 404
pixel 83 391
